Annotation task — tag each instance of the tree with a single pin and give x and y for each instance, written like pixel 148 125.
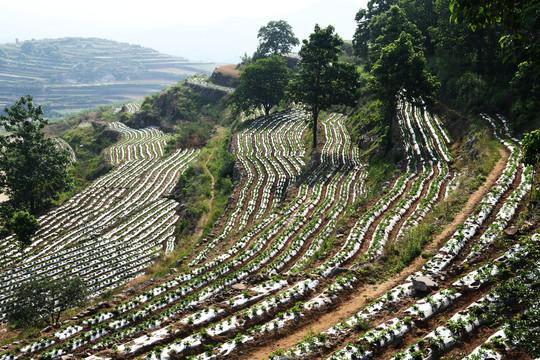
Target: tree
pixel 262 83
pixel 361 37
pixel 399 66
pixel 24 226
pixel 323 81
pixel 422 13
pixel 387 27
pixel 276 38
pixel 32 169
pixel 400 73
pixel 44 300
pixel 531 153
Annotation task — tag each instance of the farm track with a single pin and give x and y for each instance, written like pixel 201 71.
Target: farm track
pixel 179 317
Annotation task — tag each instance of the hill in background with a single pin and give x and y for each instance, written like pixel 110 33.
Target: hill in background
pixel 70 74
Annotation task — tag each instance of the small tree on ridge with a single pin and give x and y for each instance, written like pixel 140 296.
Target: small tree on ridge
pixel 323 81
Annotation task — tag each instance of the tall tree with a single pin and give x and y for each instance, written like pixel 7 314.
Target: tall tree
pixel 387 27
pixel 262 83
pixel 32 168
pixel 361 37
pixel 400 73
pixel 276 38
pixel 323 81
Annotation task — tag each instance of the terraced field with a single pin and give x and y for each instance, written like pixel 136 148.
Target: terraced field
pixel 111 231
pixel 268 283
pixel 69 74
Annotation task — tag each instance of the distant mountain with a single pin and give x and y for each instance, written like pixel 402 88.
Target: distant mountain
pixel 70 74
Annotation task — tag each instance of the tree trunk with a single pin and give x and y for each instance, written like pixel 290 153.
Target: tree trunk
pixel 57 317
pixel 391 112
pixel 315 118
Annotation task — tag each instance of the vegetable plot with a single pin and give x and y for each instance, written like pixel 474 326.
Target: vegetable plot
pixel 111 231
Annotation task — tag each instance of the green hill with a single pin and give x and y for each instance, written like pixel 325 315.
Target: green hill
pixel 70 74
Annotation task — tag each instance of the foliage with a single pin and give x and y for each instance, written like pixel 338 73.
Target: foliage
pixel 32 169
pixel 24 226
pixel 45 299
pixel 531 148
pixel 177 106
pixel 527 106
pixel 88 143
pixel 531 154
pixel 367 126
pixel 363 19
pixel 422 14
pixel 400 72
pixel 475 68
pixel 194 189
pixel 276 38
pixel 519 20
pixel 323 81
pixel 388 27
pixel 262 83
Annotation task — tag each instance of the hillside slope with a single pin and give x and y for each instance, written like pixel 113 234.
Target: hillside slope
pixel 293 269
pixel 75 73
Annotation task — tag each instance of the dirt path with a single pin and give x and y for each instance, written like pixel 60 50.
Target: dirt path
pixel 371 292
pixel 206 216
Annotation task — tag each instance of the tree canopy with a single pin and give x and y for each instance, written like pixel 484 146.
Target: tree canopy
pixel 262 83
pixel 45 299
pixel 323 81
pixel 515 25
pixel 32 168
pixel 400 72
pixel 276 38
pixel 399 68
pixel 361 37
pixel 387 28
pixel 519 19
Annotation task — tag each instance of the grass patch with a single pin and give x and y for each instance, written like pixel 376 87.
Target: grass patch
pixel 202 204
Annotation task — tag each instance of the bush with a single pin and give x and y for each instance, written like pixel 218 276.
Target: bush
pixel 44 300
pixel 24 226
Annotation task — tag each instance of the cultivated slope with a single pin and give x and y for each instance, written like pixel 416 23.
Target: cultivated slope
pixel 111 231
pixel 77 73
pixel 267 277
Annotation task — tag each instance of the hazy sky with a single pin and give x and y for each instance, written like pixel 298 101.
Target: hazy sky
pixel 210 30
